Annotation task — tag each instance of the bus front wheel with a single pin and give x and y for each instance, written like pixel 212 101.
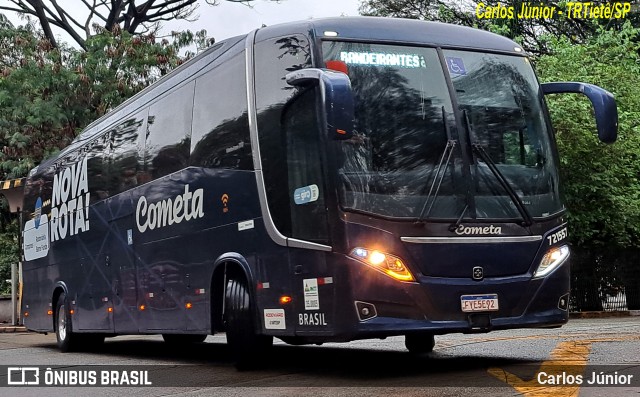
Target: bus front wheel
pixel 246 345
pixel 419 343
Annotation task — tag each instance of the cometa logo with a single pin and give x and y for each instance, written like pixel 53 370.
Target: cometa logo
pixel 183 207
pixel 463 230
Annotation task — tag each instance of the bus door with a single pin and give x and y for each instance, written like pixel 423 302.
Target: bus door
pixel 306 169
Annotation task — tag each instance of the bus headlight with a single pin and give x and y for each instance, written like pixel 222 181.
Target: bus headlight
pixel 388 264
pixel 551 260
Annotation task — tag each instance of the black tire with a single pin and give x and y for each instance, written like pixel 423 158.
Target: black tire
pixel 181 340
pixel 419 343
pixel 67 340
pixel 247 347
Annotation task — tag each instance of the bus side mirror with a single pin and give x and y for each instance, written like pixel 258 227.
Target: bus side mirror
pixel 335 89
pixel 604 105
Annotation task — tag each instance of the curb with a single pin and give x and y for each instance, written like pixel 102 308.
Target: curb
pixel 12 329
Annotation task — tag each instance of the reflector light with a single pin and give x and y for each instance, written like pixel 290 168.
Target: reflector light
pixel 285 299
pixel 388 264
pixel 26 314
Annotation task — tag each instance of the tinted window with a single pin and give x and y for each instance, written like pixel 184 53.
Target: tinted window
pixel 274 59
pixel 220 136
pixel 168 132
pixel 126 170
pixel 304 164
pixel 399 149
pixel 499 95
pixel 97 167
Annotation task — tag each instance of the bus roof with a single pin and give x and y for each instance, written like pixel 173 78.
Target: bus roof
pixel 410 31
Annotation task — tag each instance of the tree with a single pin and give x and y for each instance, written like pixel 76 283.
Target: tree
pixel 602 185
pixel 48 94
pixel 132 16
pixel 9 247
pixel 531 33
pixel 601 182
pixel 428 10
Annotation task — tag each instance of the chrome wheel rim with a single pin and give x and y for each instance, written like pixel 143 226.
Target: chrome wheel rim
pixel 62 323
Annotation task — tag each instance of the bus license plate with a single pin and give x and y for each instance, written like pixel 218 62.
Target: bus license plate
pixel 479 303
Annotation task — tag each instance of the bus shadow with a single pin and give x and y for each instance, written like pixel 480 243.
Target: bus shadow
pixel 312 366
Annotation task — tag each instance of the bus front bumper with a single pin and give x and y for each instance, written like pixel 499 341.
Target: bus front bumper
pixel 433 304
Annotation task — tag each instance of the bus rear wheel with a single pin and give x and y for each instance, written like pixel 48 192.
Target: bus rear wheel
pixel 246 345
pixel 68 340
pixel 419 343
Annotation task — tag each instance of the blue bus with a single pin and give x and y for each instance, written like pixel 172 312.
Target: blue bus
pixel 317 181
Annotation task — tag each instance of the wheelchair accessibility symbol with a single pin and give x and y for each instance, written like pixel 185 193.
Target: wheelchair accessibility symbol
pixel 455 65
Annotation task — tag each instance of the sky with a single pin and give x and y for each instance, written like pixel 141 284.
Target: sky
pixel 230 19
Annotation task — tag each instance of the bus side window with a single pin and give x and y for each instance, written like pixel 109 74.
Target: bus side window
pixel 220 137
pixel 275 57
pixel 168 132
pixel 124 167
pixel 97 167
pixel 306 188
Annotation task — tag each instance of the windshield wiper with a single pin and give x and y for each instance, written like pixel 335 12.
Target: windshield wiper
pixel 438 177
pixel 479 150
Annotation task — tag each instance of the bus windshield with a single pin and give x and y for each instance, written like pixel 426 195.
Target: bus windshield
pixel 409 158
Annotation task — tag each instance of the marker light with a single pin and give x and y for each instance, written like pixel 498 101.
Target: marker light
pixel 49 312
pixel 110 310
pixel 285 299
pixel 388 264
pixel 330 33
pixel 142 307
pixel 552 260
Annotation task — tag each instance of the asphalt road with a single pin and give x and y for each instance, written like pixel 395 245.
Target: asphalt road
pixel 503 363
